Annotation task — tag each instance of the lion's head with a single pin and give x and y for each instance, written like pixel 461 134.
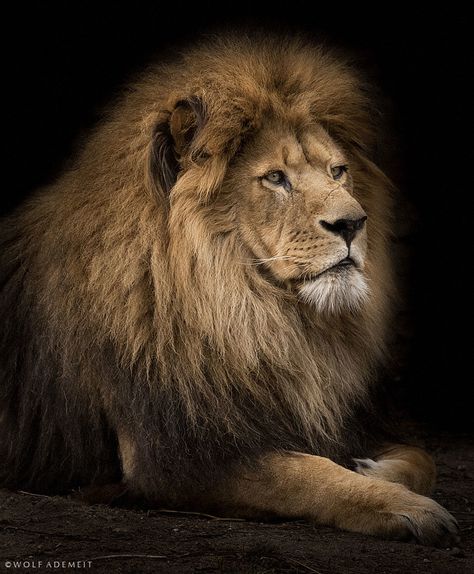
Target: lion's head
pixel 275 141
pixel 298 217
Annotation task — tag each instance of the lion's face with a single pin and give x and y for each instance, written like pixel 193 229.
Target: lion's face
pixel 298 216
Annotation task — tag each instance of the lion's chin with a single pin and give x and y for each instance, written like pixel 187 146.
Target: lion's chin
pixel 335 292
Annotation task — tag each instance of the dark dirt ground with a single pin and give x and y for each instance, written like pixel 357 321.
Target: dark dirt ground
pixel 38 528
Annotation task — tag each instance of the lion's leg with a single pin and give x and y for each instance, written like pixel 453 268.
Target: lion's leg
pixel 407 465
pixel 127 452
pixel 305 486
pixel 112 493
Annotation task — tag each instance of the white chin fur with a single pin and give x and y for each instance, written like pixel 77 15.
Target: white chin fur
pixel 334 293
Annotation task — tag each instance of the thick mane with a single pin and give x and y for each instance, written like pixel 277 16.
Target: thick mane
pixel 129 301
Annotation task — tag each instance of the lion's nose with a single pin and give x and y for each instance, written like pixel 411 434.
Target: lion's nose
pixel 346 228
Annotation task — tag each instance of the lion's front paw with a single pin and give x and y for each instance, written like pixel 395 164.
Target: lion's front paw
pixel 423 519
pixel 391 470
pixel 405 465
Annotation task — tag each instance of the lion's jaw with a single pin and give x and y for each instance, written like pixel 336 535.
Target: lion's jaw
pixel 341 288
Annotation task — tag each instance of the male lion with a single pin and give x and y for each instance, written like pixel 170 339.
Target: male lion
pixel 201 300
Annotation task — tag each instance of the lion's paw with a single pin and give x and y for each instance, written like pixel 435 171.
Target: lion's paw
pixel 416 471
pixel 423 519
pixel 365 466
pixel 383 469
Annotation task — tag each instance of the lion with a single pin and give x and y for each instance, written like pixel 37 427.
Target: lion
pixel 199 305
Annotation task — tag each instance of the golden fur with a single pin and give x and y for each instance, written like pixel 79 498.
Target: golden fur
pixel 143 312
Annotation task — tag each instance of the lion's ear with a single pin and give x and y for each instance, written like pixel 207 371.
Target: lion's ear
pixel 186 120
pixel 173 139
pixel 163 162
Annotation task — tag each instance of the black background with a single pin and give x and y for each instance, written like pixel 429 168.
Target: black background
pixel 64 62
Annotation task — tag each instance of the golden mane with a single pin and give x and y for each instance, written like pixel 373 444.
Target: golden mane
pixel 126 302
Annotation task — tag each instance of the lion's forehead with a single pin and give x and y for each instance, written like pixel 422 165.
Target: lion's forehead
pixel 294 148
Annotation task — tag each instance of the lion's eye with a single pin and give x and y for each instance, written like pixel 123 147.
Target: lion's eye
pixel 276 177
pixel 338 171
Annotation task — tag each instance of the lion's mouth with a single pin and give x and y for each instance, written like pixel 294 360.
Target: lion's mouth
pixel 339 267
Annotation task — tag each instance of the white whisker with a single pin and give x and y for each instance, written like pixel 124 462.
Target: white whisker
pixel 262 261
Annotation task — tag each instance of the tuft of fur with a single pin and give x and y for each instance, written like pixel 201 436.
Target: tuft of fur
pixel 126 310
pixel 332 294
